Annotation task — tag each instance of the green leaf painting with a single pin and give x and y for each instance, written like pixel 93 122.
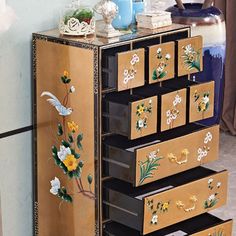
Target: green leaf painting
pixel 163 60
pixel 148 167
pixel 191 58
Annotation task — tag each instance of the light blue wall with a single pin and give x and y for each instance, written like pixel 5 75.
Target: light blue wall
pixel 15 110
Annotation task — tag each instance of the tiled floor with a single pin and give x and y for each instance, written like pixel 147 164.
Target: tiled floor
pixel 227 161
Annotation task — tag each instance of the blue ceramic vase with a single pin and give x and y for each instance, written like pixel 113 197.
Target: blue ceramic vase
pixel 125 14
pixel 209 23
pixel 138 7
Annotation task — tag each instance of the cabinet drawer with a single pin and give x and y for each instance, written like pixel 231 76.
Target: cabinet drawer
pixel 202 225
pixel 126 70
pixel 161 62
pixel 171 105
pixel 131 115
pixel 201 101
pixel 166 202
pixel 190 55
pixel 149 159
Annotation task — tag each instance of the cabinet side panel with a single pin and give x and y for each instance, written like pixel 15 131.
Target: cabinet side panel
pixel 65 111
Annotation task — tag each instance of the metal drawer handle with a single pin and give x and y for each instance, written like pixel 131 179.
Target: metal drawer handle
pixel 184 153
pixel 181 205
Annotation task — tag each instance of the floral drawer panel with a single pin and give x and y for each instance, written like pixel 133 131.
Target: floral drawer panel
pixel 201 101
pixel 190 55
pixel 184 202
pixel 130 69
pixel 161 62
pixel 143 117
pixel 173 110
pixel 176 155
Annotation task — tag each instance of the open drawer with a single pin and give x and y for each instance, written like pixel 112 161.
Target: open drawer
pixel 202 225
pixel 171 105
pixel 157 156
pixel 126 70
pixel 200 98
pixel 130 115
pixel 166 202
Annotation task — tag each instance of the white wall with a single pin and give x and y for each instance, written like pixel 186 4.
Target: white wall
pixel 15 110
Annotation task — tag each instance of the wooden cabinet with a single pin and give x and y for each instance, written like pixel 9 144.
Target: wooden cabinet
pixel 117 151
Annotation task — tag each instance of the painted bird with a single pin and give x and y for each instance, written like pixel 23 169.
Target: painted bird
pixel 63 111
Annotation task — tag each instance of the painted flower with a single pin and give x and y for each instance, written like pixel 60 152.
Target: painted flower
pixel 66 73
pixel 208 137
pixel 160 69
pixel 205 99
pixel 70 162
pixel 73 127
pixel 211 197
pixel 218 184
pixel 165 206
pixel 188 49
pixel 152 156
pixel 62 154
pixel 136 57
pixel 141 123
pixel 126 72
pixel 72 89
pixel 168 113
pixel 177 100
pixel 159 50
pixel 140 109
pixel 134 60
pixel 150 102
pixel 210 181
pixel 154 219
pixel 168 56
pixel 55 186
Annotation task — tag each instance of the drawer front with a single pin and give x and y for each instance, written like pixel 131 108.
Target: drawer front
pixel 173 109
pixel 201 101
pixel 190 55
pixel 224 229
pixel 174 156
pixel 143 116
pixel 131 69
pixel 184 202
pixel 161 62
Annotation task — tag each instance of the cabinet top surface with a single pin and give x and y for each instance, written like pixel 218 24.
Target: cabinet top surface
pixel 54 34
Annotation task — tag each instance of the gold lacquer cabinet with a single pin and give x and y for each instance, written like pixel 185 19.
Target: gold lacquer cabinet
pixel 119 143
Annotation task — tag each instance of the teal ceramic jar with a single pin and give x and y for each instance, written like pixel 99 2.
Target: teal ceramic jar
pixel 209 23
pixel 125 14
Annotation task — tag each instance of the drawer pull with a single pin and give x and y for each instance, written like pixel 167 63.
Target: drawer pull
pixel 181 205
pixel 184 153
